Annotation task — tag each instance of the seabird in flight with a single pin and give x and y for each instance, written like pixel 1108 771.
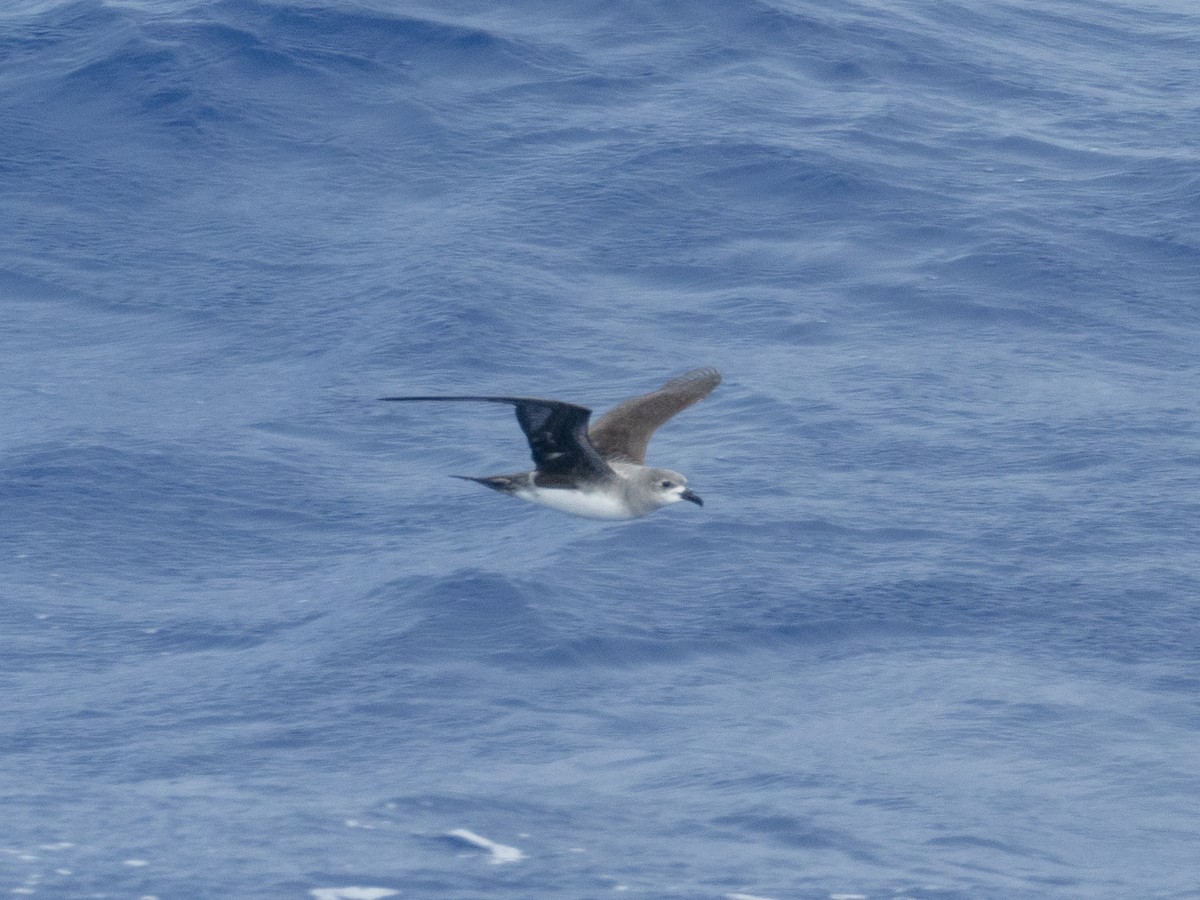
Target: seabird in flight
pixel 599 472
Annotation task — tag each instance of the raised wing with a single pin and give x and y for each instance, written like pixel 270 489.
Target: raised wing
pixel 625 430
pixel 557 435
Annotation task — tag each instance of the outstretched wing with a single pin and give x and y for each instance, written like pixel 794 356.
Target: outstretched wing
pixel 557 434
pixel 624 431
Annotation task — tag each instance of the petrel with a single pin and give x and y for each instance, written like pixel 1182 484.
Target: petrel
pixel 599 472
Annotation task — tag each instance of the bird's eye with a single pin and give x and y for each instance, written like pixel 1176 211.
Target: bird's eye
pixel 666 484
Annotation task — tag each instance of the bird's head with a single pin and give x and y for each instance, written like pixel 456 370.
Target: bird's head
pixel 668 487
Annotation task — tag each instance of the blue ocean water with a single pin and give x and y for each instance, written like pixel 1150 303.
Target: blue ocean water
pixel 934 633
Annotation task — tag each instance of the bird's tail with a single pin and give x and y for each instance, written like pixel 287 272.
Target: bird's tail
pixel 502 483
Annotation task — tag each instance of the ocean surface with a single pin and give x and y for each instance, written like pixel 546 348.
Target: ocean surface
pixel 935 632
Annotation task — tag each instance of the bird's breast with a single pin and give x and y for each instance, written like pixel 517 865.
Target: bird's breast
pixel 591 504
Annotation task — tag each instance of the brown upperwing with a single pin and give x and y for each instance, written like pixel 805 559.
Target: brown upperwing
pixel 625 430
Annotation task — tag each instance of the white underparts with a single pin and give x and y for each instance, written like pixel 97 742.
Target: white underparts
pixel 592 504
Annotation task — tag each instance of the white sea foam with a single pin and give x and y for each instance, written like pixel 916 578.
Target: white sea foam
pixel 501 853
pixel 352 893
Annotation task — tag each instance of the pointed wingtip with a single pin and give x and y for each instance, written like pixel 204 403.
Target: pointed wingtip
pixel 703 379
pixel 695 384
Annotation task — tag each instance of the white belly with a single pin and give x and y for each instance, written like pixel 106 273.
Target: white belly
pixel 592 504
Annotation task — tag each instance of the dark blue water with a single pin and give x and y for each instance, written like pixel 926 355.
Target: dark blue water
pixel 934 633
